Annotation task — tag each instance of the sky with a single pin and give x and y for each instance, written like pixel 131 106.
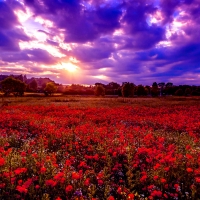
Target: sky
pixel 89 41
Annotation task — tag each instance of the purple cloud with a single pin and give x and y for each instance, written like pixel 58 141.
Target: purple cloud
pixel 8 19
pixel 33 55
pixel 10 35
pixel 131 40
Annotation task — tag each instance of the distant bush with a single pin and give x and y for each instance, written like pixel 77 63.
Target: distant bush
pixel 188 91
pixel 50 88
pixel 99 90
pixel 179 92
pixel 128 89
pixel 14 86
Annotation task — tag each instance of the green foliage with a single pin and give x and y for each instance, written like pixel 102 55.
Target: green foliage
pixel 50 88
pixel 128 89
pixel 12 85
pixel 99 90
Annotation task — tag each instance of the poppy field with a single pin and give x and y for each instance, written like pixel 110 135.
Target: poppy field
pixel 127 152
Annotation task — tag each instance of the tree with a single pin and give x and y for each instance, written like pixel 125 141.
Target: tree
pixel 148 89
pixel 112 88
pixel 33 85
pixel 169 88
pixel 141 90
pixel 50 88
pixel 195 92
pixel 161 85
pixel 99 90
pixel 100 84
pixel 169 84
pixel 188 91
pixel 12 85
pixel 179 92
pixel 61 89
pixel 113 85
pixel 154 89
pixel 154 84
pixel 128 89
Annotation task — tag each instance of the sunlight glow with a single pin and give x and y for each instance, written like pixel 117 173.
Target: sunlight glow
pixel 155 18
pixel 73 60
pixel 23 15
pixel 103 69
pixel 40 45
pixel 69 67
pixel 102 77
pixel 44 22
pixel 118 32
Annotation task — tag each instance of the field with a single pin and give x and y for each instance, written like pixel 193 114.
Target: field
pixel 100 148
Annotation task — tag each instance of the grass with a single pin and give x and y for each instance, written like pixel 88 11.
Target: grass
pixel 92 101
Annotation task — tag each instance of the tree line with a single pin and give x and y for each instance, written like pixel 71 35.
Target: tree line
pixel 11 85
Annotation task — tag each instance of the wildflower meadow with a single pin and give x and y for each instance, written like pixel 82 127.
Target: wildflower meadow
pixel 58 152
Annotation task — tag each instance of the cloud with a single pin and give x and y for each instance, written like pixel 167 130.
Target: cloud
pixel 10 34
pixel 76 20
pixel 123 40
pixel 8 19
pixel 33 55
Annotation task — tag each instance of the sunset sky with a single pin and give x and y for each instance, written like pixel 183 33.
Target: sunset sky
pixel 89 41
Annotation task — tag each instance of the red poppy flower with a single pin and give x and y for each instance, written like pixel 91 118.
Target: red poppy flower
pixel 163 180
pixel 43 170
pixel 2 161
pixel 131 196
pixel 189 170
pixel 37 187
pixel 155 177
pixel 50 183
pixel 75 176
pixel 197 179
pixel 87 182
pixel 100 182
pixel 110 198
pixel 21 189
pixel 68 188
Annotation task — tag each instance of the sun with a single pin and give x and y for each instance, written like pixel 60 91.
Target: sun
pixel 70 67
